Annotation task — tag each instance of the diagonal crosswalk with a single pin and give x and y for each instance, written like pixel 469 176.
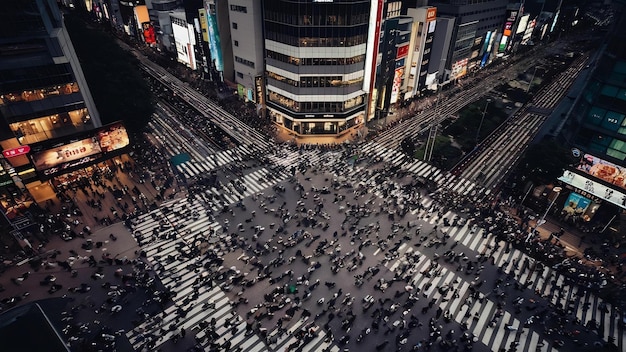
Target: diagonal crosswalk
pixel 495 327
pixel 199 308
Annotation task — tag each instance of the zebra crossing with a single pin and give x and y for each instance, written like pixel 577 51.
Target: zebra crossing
pixel 547 282
pixel 195 304
pixel 421 169
pixel 204 164
pixel 450 291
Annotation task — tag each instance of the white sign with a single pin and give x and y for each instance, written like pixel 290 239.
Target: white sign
pixel 599 190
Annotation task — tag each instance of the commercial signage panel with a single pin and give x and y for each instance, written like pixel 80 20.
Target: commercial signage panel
pixel 431 26
pixel 604 170
pixel 397 82
pixel 614 196
pixel 402 51
pixel 13 152
pixel 215 47
pixel 511 16
pixel 141 14
pixel 400 63
pixel 52 158
pixel 148 33
pixel 204 25
pixel 523 23
pixel 431 14
pixel 576 204
pixel 66 153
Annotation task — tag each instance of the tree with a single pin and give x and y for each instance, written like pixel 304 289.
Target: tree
pixel 113 76
pixel 545 161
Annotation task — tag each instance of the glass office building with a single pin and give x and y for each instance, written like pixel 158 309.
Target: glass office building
pixel 315 64
pixel 43 93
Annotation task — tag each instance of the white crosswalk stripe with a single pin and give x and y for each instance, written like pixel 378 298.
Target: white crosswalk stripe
pixel 186 224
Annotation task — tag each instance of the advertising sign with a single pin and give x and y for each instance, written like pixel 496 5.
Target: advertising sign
pixel 402 51
pixel 459 69
pixel 431 14
pixel 507 28
pixel 204 25
pixel 523 23
pixel 576 204
pixel 431 26
pixel 215 47
pixel 52 158
pixel 258 86
pixel 511 16
pixel 21 150
pixel 502 46
pixel 148 33
pixel 397 82
pixel 614 196
pixel 400 63
pixel 66 153
pixel 604 170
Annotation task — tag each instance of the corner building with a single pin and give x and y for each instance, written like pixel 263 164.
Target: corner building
pixel 43 92
pixel 315 53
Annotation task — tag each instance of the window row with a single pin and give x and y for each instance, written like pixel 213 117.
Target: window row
pixel 238 8
pixel 316 61
pixel 19 79
pixel 244 61
pixel 43 128
pixel 309 14
pixel 607 119
pixel 316 106
pixel 317 81
pixel 316 41
pixel 39 94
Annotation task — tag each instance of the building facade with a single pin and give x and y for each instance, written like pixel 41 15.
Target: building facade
pixel 473 20
pixel 247 47
pixel 315 63
pixel 43 93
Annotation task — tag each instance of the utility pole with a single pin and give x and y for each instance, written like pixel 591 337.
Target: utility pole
pixel 481 121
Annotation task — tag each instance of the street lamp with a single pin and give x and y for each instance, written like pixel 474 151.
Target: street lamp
pixel 481 120
pixel 542 220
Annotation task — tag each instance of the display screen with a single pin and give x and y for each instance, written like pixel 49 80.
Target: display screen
pixel 55 157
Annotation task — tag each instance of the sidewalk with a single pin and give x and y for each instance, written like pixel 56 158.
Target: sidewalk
pixel 574 243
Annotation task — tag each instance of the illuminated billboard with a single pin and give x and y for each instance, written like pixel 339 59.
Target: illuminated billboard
pixel 397 82
pixel 459 69
pixel 507 29
pixel 431 14
pixel 604 170
pixel 576 204
pixel 66 153
pixel 402 51
pixel 215 47
pixel 503 42
pixel 54 157
pixel 523 23
pixel 148 33
pixel 594 188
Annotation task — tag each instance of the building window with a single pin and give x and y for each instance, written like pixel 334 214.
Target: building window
pixel 234 25
pixel 238 8
pixel 244 61
pixel 239 74
pixel 236 43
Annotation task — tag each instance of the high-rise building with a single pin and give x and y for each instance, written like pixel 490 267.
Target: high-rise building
pixel 317 79
pixel 474 21
pixel 43 93
pixel 247 47
pixel 597 123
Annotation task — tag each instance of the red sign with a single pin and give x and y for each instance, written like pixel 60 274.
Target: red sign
pixel 9 153
pixel 402 51
pixel 431 14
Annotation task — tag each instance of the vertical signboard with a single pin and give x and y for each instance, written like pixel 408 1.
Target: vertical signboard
pixel 397 83
pixel 215 46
